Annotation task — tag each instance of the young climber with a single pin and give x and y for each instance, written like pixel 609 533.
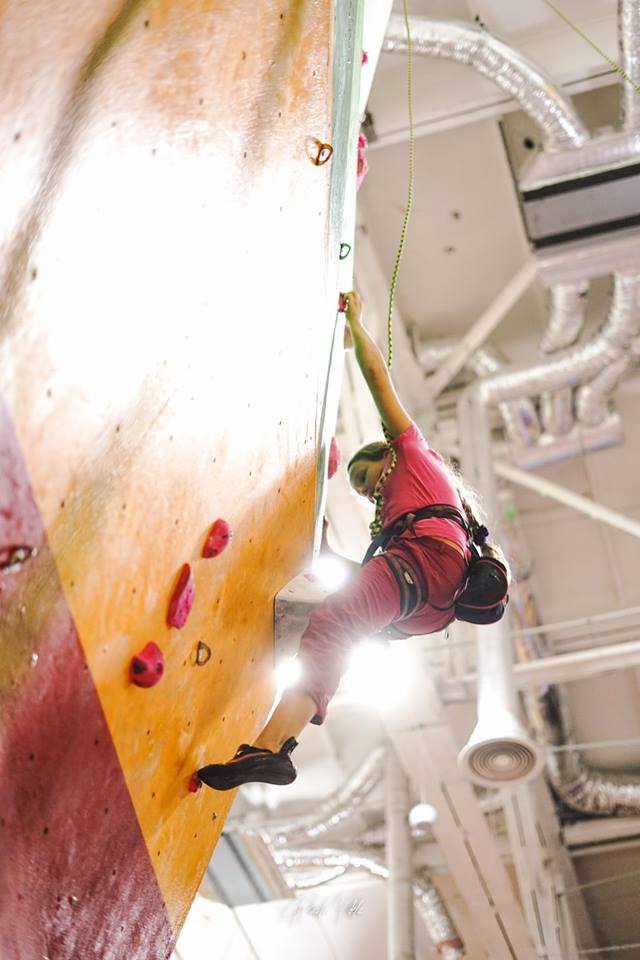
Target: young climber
pixel 425 562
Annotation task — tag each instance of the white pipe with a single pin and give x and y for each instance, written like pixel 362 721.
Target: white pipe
pixel 482 328
pixel 567 667
pixel 400 934
pixel 499 751
pixel 546 488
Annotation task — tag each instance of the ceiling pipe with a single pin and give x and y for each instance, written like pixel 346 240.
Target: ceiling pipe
pixel 521 79
pixel 567 312
pixel 499 752
pixel 431 907
pixel 629 39
pixel 343 804
pixel 567 309
pixel 546 488
pixel 582 362
pixel 520 417
pixel 594 400
pixel 400 935
pixel 579 785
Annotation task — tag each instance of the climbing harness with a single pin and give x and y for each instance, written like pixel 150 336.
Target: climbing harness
pixel 483 596
pixel 619 69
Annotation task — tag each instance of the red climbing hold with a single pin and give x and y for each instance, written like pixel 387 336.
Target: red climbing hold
pixel 365 57
pixel 363 165
pixel 334 458
pixel 194 783
pixel 343 304
pixel 182 598
pixel 218 539
pixel 147 666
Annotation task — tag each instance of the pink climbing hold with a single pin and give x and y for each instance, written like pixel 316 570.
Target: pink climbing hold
pixel 218 539
pixel 194 783
pixel 343 304
pixel 334 458
pixel 363 165
pixel 182 598
pixel 365 57
pixel 147 667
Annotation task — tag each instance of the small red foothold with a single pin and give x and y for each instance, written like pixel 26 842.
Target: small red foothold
pixel 343 304
pixel 334 458
pixel 363 165
pixel 194 783
pixel 147 667
pixel 182 598
pixel 218 539
pixel 365 57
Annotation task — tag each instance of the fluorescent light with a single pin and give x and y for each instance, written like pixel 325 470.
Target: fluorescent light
pixel 422 815
pixel 378 675
pixel 287 673
pixel 330 571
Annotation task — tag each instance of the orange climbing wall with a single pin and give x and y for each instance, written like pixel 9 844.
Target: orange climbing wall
pixel 164 304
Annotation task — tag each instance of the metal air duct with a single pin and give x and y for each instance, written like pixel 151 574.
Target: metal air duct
pixel 509 70
pixel 341 805
pixel 629 34
pixel 430 905
pixel 519 416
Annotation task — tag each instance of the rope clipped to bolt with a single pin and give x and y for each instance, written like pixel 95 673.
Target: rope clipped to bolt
pixel 376 524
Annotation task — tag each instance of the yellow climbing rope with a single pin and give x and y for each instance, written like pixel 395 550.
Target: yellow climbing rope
pixel 407 211
pixel 613 63
pixel 376 525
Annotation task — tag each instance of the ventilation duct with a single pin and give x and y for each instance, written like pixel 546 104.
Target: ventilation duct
pixel 629 34
pixel 579 785
pixel 430 905
pixel 582 362
pixel 567 311
pixel 512 72
pixel 593 400
pixel 519 416
pixel 342 805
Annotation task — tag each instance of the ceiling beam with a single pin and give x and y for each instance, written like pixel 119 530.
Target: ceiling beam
pixel 546 488
pixel 482 328
pixel 427 749
pixel 561 668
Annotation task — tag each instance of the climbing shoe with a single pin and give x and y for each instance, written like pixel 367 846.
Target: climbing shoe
pixel 252 765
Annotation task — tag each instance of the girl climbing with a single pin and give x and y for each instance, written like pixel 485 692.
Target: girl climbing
pixel 413 583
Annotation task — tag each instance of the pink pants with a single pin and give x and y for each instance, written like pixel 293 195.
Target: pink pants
pixel 368 603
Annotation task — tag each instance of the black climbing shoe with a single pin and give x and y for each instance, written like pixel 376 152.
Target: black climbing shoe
pixel 252 765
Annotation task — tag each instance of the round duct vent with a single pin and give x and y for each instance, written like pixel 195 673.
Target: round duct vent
pixel 501 761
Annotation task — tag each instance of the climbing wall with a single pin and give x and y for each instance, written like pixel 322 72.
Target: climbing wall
pixel 164 324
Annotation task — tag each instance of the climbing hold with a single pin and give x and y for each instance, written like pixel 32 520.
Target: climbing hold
pixel 203 653
pixel 182 598
pixel 365 57
pixel 343 304
pixel 363 165
pixel 345 250
pixel 334 458
pixel 12 557
pixel 320 152
pixel 218 539
pixel 147 666
pixel 194 783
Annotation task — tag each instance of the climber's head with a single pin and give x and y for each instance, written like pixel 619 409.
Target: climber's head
pixel 366 466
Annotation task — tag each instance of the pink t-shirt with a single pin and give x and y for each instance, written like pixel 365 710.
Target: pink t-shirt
pixel 419 479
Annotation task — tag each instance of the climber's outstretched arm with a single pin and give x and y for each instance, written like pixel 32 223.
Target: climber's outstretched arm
pixel 374 370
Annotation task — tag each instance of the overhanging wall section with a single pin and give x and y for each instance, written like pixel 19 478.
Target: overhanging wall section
pixel 165 293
